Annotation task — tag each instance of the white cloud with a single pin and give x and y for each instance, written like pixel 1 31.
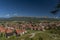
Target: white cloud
pixel 7 15
pixel 15 14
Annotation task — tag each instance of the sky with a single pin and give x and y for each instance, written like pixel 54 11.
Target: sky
pixel 10 8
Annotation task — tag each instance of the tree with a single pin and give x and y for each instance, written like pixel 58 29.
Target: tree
pixel 57 8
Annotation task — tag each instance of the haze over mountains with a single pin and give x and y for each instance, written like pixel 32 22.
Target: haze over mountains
pixel 23 18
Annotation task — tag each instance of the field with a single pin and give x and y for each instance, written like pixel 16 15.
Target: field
pixel 35 35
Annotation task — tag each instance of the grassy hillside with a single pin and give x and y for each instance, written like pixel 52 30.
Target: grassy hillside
pixel 39 35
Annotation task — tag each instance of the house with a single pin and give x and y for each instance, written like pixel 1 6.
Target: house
pixel 9 32
pixel 2 29
pixel 20 32
pixel 6 31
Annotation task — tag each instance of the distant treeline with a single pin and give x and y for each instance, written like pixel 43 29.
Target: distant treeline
pixel 28 19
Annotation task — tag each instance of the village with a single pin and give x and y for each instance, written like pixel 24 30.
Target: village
pixel 20 28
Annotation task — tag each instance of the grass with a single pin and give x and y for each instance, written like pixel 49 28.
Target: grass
pixel 39 35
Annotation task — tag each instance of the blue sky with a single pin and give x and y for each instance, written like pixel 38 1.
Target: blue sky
pixel 27 7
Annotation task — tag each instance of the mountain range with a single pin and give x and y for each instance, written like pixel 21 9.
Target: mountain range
pixel 16 18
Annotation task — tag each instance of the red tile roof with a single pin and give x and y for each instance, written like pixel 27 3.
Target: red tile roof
pixel 19 31
pixel 8 31
pixel 2 29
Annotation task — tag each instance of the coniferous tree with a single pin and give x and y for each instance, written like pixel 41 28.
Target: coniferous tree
pixel 57 8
